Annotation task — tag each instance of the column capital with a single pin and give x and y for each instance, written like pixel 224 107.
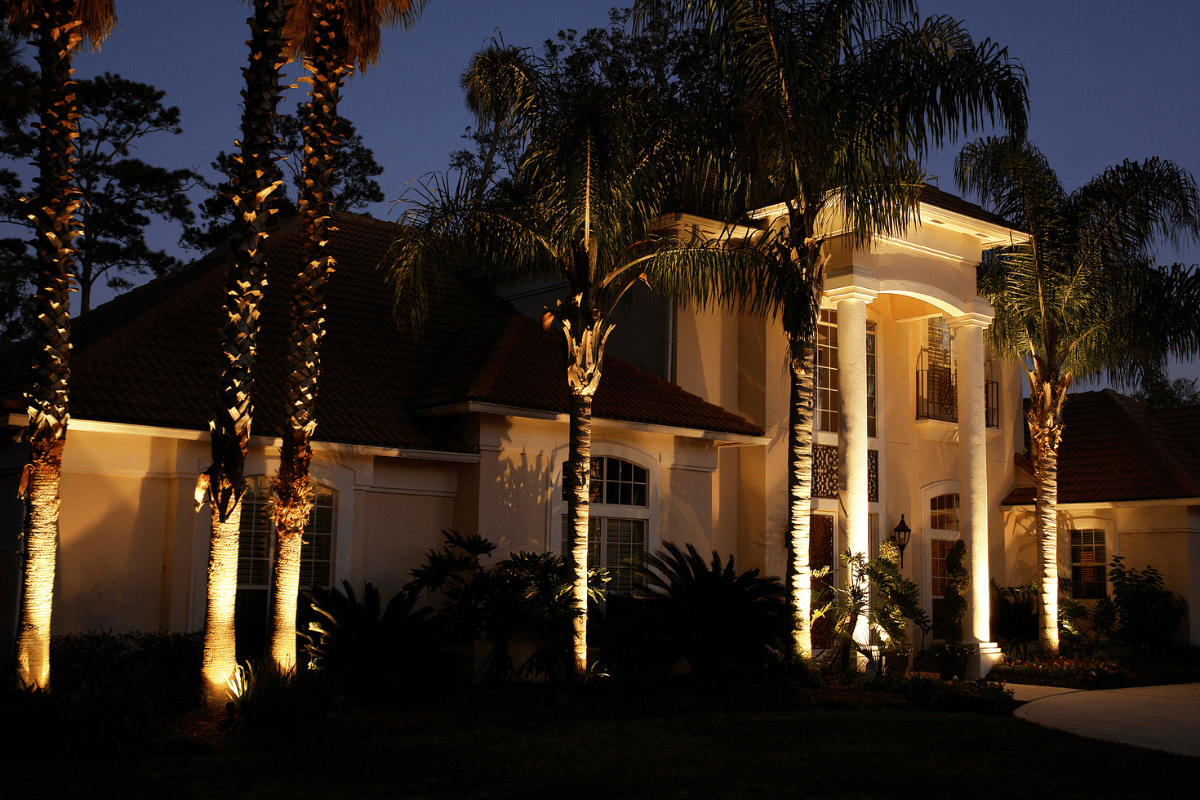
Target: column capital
pixel 973 319
pixel 851 283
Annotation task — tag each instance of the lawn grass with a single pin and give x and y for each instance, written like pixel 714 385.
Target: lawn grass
pixel 489 745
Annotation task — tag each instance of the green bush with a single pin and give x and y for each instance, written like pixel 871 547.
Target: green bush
pixel 1142 615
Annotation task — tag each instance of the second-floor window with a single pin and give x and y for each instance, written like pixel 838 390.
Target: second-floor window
pixel 828 403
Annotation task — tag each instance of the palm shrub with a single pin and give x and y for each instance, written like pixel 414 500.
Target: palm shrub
pixel 525 596
pixel 370 650
pixel 723 622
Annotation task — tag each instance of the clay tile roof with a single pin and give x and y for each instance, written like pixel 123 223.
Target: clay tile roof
pixel 524 368
pixel 1114 450
pixel 936 197
pixel 149 357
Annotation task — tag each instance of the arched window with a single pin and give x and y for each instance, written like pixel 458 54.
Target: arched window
pixel 618 519
pixel 943 519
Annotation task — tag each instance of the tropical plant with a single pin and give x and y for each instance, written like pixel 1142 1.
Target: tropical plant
pixel 1142 613
pixel 369 650
pixel 832 106
pixel 723 622
pixel 876 591
pixel 57 27
pixel 582 211
pixel 333 36
pixel 223 484
pixel 527 595
pixel 1082 297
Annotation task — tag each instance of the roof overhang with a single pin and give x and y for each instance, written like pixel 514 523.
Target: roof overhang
pixel 1105 504
pixel 189 435
pixel 473 407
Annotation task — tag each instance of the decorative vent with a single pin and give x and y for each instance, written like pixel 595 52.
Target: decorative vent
pixel 873 476
pixel 825 469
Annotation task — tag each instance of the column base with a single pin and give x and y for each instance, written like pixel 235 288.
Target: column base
pixel 987 655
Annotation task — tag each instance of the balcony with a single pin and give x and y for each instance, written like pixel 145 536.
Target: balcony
pixel 937 397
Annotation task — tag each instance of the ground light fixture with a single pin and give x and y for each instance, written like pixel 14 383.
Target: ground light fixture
pixel 901 534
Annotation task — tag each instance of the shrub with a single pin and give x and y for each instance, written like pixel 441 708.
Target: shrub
pixel 1141 615
pixel 372 654
pixel 111 692
pixel 527 594
pixel 723 622
pixel 270 704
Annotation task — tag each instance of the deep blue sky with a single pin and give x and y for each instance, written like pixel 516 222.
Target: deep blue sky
pixel 1109 79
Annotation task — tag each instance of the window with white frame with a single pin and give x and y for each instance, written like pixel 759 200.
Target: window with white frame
pixel 1088 560
pixel 943 517
pixel 828 392
pixel 256 538
pixel 618 517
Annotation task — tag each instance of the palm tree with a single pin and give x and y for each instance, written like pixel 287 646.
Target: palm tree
pixel 1081 298
pixel 57 27
pixel 581 209
pixel 223 484
pixel 834 105
pixel 333 37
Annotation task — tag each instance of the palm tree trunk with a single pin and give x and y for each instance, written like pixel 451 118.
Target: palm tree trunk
pixel 293 487
pixel 585 357
pixel 1045 427
pixel 224 482
pixel 52 210
pixel 579 497
pixel 293 506
pixel 800 498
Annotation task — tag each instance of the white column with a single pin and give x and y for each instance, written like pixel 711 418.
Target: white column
pixel 852 422
pixel 973 484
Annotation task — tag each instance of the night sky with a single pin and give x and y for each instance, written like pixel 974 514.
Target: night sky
pixel 1109 79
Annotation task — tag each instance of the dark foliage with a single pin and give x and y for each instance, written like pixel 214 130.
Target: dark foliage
pixel 354 173
pixel 277 707
pixel 523 598
pixel 112 693
pixel 371 652
pixel 1014 617
pixel 1141 616
pixel 723 622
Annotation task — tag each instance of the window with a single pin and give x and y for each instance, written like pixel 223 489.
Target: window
pixel 256 542
pixel 256 539
pixel 1088 560
pixel 943 516
pixel 943 512
pixel 937 392
pixel 617 520
pixel 828 394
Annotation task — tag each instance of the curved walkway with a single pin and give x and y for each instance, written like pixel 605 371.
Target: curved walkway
pixel 1159 717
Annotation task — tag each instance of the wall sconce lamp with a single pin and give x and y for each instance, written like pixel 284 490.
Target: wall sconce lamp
pixel 902 534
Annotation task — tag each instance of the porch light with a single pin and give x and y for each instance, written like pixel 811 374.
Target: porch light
pixel 901 534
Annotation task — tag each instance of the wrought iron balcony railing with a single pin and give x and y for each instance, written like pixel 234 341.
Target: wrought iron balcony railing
pixel 937 397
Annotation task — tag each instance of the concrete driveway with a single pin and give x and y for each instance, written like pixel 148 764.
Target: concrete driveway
pixel 1158 717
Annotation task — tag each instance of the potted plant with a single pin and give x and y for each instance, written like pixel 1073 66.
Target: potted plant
pixel 877 590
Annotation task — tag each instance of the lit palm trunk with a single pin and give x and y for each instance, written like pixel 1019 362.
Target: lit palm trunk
pixel 585 356
pixel 1045 426
pixel 800 499
pixel 293 487
pixel 231 426
pixel 52 210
